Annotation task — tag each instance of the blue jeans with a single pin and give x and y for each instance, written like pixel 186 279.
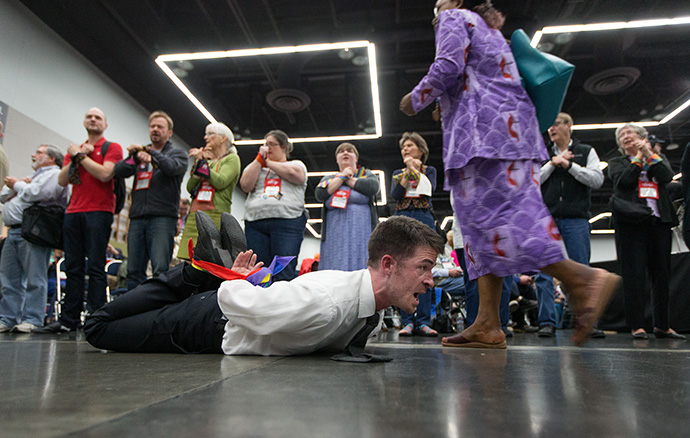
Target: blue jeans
pixel 455 286
pixel 423 314
pixel 151 237
pixel 86 235
pixel 276 237
pixel 575 234
pixel 472 301
pixel 24 279
pixel 422 215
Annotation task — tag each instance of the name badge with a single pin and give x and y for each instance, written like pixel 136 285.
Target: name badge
pixel 340 198
pixel 411 191
pixel 648 189
pixel 143 180
pixel 206 192
pixel 272 188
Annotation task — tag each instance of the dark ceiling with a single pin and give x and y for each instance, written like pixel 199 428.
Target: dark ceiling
pixel 123 37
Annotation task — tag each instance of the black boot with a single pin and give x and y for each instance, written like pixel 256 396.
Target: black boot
pixel 208 244
pixel 232 235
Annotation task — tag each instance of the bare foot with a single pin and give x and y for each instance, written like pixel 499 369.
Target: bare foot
pixel 589 302
pixel 477 334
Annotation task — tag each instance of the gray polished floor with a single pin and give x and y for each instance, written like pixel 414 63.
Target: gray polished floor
pixel 53 386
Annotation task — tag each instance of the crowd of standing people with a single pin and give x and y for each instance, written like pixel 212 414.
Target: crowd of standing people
pixel 520 208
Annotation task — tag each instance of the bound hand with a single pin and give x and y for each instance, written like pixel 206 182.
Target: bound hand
pixel 245 262
pixel 347 172
pixel 87 148
pixel 73 149
pixel 9 181
pixel 143 157
pixel 196 153
pixel 135 148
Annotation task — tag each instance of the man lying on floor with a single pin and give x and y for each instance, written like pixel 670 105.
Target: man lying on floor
pixel 188 310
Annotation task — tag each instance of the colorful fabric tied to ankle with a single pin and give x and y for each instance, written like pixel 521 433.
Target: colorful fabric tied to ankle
pixel 259 277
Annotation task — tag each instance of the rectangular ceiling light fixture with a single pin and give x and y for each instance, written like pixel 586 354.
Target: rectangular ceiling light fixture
pixel 373 74
pixel 596 27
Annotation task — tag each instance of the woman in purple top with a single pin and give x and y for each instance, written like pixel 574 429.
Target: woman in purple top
pixel 492 152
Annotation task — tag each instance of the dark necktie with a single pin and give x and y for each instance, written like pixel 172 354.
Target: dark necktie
pixel 354 352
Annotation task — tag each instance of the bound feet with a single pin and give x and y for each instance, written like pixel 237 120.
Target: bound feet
pixel 219 247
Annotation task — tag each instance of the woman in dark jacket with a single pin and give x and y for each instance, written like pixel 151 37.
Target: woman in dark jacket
pixel 643 217
pixel 412 187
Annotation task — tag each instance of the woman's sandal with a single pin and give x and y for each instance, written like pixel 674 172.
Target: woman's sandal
pixel 407 330
pixel 425 330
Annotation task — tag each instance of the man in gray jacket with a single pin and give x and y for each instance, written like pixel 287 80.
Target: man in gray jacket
pixel 158 169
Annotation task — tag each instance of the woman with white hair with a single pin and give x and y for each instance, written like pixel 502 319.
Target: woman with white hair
pixel 643 216
pixel 275 213
pixel 213 178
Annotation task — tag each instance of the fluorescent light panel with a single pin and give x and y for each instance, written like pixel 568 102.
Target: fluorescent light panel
pixel 600 216
pixel 373 73
pixel 595 27
pixel 445 221
pixel 313 231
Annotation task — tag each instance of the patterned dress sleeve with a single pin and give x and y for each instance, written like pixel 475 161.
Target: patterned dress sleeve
pixel 452 46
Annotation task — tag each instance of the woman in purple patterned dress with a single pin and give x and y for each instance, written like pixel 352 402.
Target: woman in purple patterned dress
pixel 492 154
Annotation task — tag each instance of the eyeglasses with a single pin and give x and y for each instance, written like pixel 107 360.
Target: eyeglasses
pixel 558 123
pixel 270 143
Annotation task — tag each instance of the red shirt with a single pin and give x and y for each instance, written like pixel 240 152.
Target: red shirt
pixel 92 194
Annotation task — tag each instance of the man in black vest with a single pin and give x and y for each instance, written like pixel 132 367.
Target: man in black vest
pixel 567 181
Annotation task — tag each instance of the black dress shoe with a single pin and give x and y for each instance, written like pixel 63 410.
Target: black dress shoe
pixel 640 335
pixel 660 334
pixel 547 331
pixel 209 247
pixel 53 328
pixel 597 334
pixel 232 235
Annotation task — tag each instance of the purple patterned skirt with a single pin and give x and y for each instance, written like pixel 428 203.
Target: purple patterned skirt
pixel 505 224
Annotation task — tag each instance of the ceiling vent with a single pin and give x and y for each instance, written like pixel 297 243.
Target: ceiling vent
pixel 611 81
pixel 288 100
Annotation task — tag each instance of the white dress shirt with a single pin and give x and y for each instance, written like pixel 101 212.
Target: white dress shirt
pixel 318 310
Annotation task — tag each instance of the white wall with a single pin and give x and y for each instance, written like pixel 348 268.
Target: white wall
pixel 45 79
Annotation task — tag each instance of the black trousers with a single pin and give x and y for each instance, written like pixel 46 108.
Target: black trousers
pixel 162 315
pixel 645 247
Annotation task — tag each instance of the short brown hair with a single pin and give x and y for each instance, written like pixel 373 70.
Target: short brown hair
pixel 164 115
pixel 401 235
pixel 346 147
pixel 419 141
pixel 282 139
